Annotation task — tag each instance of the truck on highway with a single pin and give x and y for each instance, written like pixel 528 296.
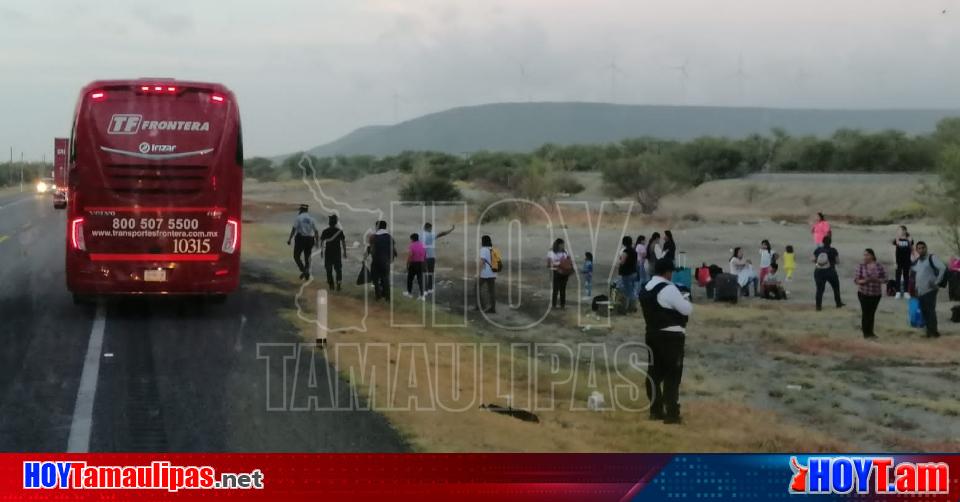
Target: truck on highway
pixel 59 189
pixel 154 185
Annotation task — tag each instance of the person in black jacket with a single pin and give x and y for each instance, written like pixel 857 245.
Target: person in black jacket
pixel 627 270
pixel 383 250
pixel 666 312
pixel 333 249
pixel 669 247
pixel 904 258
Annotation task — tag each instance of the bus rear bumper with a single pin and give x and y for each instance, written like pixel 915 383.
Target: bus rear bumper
pixel 152 278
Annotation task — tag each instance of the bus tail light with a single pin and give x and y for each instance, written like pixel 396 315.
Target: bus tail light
pixel 231 236
pixel 76 235
pixel 216 98
pixel 98 95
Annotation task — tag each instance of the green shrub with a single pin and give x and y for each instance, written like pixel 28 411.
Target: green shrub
pixel 565 183
pixel 429 188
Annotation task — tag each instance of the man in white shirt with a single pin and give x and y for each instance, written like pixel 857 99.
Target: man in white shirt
pixel 429 239
pixel 666 312
pixel 306 237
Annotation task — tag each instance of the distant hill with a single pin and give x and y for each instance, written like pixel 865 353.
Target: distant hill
pixel 526 126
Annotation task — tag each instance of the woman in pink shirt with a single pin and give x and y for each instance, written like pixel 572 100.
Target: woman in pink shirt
pixel 416 257
pixel 820 229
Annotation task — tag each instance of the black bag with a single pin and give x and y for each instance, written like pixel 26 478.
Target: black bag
pixel 955 313
pixel 598 301
pixel 364 276
pixel 726 288
pixel 954 285
pixel 892 288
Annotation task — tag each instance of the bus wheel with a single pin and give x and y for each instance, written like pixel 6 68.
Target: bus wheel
pixel 78 299
pixel 217 299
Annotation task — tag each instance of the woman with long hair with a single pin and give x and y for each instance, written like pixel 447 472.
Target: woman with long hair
pixel 654 250
pixel 820 228
pixel 669 247
pixel 870 278
pixel 641 248
pixel 488 277
pixel 560 265
pixel 627 270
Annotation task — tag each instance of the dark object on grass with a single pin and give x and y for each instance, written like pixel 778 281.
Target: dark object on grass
pixel 599 301
pixel 524 415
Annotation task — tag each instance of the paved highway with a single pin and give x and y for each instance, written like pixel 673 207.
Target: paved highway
pixel 147 374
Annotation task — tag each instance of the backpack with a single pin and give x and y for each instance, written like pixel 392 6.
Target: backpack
pixel 823 259
pixel 496 261
pixel 936 271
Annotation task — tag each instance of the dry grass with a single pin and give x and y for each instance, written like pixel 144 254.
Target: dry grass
pixel 759 376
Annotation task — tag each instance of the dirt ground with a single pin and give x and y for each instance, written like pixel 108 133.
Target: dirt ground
pixel 759 375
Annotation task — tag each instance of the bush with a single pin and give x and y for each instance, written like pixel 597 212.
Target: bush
pixel 260 169
pixel 565 183
pixel 911 211
pixel 424 186
pixel 491 210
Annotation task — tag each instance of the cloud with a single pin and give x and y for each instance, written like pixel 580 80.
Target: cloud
pixel 172 23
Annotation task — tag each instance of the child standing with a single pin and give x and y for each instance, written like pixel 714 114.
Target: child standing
pixel 587 272
pixel 789 263
pixel 416 257
pixel 766 258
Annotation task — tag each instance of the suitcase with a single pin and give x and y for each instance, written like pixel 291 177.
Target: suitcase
pixel 914 316
pixel 726 288
pixel 683 278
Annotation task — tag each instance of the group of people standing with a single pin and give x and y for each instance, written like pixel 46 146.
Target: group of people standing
pixel 636 261
pixel 916 269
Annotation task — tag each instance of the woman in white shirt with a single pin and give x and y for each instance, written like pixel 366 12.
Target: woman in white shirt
pixel 558 261
pixel 743 269
pixel 488 278
pixel 654 250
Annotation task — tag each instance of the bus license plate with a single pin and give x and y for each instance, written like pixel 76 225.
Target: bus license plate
pixel 155 275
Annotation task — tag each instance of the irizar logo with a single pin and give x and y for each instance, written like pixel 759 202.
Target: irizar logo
pixel 131 123
pixel 148 148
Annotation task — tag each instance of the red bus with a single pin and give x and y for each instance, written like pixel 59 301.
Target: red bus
pixel 155 187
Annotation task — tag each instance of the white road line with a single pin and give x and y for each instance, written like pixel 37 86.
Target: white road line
pixel 79 440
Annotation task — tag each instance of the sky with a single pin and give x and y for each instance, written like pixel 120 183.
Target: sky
pixel 308 72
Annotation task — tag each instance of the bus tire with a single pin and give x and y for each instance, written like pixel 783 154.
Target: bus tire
pixel 78 299
pixel 217 299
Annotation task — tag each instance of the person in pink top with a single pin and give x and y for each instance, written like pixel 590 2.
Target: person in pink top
pixel 820 229
pixel 416 257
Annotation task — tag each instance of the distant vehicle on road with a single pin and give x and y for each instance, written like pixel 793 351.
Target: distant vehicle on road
pixel 46 185
pixel 154 184
pixel 60 146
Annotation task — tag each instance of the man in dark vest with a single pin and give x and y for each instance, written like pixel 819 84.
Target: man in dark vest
pixel 666 312
pixel 382 252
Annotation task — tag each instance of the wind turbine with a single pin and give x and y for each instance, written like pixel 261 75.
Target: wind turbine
pixel 741 77
pixel 684 75
pixel 524 87
pixel 614 72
